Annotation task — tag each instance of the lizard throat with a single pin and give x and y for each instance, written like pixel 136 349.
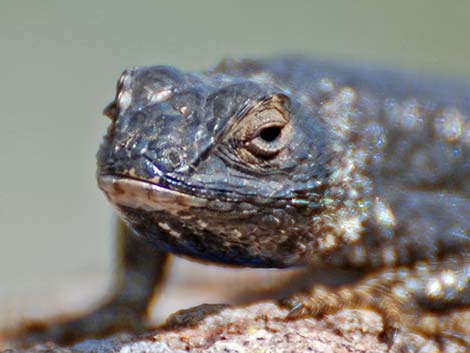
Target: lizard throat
pixel 139 194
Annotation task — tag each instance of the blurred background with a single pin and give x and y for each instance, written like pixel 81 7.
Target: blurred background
pixel 59 62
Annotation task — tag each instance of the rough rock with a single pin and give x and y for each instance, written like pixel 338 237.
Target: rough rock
pixel 260 327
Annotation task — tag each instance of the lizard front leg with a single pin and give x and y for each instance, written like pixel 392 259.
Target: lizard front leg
pixel 420 313
pixel 140 269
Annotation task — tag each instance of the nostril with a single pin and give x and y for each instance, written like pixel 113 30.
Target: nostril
pixel 165 159
pixel 174 158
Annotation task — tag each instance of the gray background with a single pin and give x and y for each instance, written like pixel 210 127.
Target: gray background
pixel 59 64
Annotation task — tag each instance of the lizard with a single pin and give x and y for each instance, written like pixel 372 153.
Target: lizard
pixel 293 161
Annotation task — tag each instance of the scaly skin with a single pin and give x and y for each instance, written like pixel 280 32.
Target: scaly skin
pixel 296 162
pixel 289 162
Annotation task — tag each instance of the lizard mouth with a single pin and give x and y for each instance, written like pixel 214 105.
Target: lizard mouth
pixel 141 194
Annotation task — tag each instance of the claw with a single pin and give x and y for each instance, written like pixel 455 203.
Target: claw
pixel 295 311
pixel 389 336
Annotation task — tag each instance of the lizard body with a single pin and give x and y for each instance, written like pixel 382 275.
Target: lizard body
pixel 292 161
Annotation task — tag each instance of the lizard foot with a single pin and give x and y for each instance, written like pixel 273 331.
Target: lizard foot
pixel 106 320
pixel 321 301
pixel 403 330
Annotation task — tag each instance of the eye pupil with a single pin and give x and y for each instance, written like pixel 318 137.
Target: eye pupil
pixel 269 134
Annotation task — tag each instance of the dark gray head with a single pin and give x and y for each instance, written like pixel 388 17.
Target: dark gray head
pixel 216 167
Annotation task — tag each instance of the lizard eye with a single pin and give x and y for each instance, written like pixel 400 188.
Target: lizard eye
pixel 267 127
pixel 271 133
pixel 264 130
pixel 267 139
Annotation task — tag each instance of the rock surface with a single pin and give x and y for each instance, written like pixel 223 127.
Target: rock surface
pixel 259 327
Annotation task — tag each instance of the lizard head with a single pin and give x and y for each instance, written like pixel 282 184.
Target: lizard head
pixel 216 167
